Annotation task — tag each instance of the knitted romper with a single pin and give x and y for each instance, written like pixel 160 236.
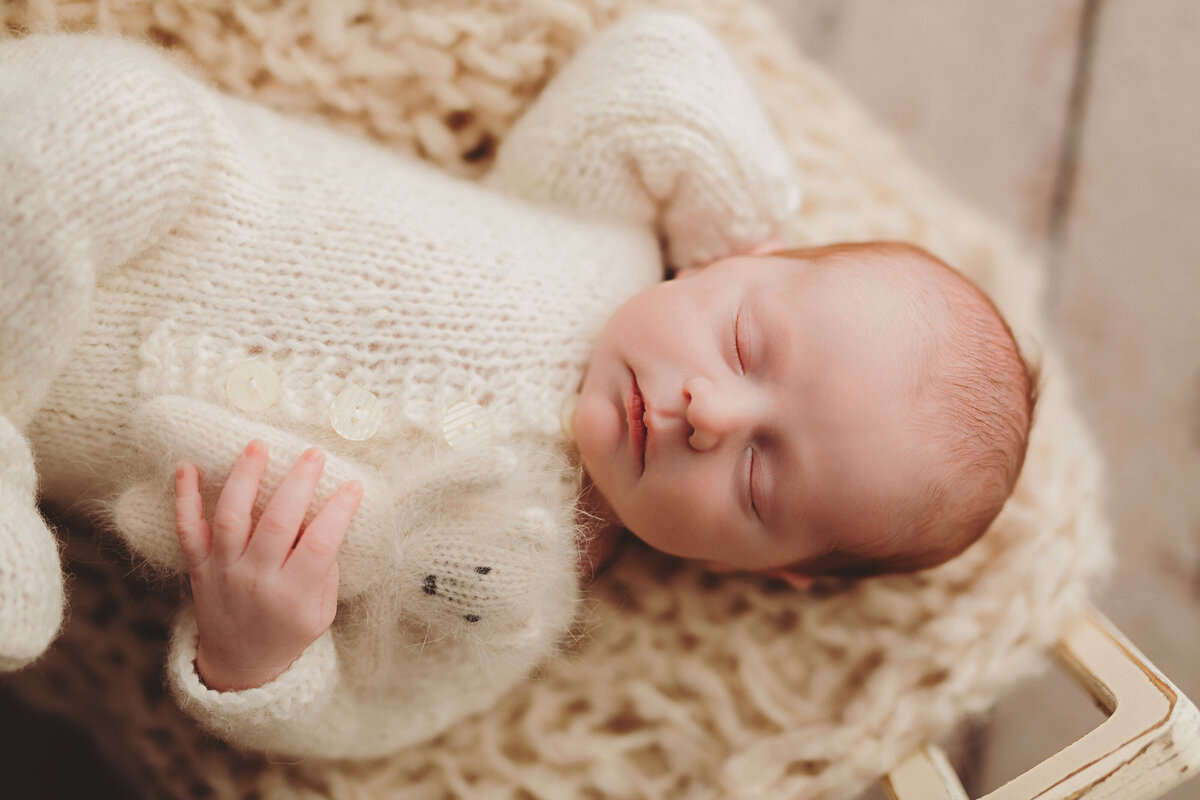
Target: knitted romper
pixel 183 272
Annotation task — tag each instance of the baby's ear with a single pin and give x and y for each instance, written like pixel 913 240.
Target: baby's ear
pixel 772 245
pixel 796 580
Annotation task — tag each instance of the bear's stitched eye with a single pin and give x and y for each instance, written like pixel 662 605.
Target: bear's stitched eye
pixel 471 617
pixel 430 584
pixel 483 570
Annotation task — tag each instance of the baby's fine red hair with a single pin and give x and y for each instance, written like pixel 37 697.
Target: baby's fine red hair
pixel 976 395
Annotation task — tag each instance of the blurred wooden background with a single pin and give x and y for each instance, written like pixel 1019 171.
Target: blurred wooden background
pixel 1076 122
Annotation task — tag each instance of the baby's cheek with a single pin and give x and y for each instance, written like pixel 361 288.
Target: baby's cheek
pixel 669 516
pixel 595 434
pixel 598 432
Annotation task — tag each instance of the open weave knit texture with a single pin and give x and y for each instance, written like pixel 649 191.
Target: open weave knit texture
pixel 680 684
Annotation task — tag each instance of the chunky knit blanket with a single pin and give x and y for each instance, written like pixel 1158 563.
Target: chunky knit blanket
pixel 679 683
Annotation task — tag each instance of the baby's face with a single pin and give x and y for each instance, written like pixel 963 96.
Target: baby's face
pixel 753 414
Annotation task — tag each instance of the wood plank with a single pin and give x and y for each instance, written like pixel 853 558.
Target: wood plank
pixel 1149 743
pixel 1129 314
pixel 978 91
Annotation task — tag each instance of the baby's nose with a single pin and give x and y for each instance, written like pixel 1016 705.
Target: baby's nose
pixel 713 413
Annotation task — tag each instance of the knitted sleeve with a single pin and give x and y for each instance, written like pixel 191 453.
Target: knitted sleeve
pixel 474 542
pixel 651 122
pixel 459 579
pixel 273 717
pixel 172 428
pixel 480 587
pixel 362 690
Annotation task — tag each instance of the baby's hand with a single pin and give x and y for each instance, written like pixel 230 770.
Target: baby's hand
pixel 262 595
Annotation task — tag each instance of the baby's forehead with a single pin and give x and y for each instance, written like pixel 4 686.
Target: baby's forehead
pixel 882 263
pixel 907 279
pixel 901 289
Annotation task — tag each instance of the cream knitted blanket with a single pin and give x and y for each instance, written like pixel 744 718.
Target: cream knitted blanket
pixel 682 684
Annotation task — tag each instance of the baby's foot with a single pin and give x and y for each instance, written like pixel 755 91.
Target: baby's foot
pixel 31 585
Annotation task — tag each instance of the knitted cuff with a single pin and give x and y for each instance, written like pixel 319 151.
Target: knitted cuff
pixel 251 717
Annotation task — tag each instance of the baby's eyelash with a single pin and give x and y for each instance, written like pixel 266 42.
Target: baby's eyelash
pixel 737 340
pixel 750 483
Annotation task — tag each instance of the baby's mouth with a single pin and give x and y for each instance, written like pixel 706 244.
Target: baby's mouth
pixel 635 411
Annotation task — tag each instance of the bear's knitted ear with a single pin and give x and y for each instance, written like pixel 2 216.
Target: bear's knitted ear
pixel 144 516
pixel 652 123
pixel 170 429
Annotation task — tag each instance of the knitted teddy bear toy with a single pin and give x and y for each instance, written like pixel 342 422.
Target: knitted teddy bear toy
pixel 183 272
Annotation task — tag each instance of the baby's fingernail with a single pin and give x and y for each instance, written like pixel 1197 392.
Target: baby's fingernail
pixel 179 468
pixel 354 488
pixel 312 454
pixel 254 448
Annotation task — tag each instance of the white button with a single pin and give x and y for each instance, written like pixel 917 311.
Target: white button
pixel 566 415
pixel 252 385
pixel 355 414
pixel 466 423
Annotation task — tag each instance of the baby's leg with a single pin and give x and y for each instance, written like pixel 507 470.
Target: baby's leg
pixel 101 147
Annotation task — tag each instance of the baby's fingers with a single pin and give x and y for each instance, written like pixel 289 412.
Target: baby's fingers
pixel 276 531
pixel 194 536
pixel 231 519
pixel 316 549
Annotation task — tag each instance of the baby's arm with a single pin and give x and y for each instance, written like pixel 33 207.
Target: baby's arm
pixel 463 563
pixel 263 592
pixel 254 658
pixel 652 122
pixel 171 429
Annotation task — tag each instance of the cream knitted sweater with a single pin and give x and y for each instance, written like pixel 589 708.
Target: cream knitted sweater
pixel 184 271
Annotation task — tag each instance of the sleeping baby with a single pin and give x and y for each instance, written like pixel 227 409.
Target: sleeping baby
pixel 453 392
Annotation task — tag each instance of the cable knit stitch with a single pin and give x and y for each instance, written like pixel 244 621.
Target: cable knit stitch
pixel 220 233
